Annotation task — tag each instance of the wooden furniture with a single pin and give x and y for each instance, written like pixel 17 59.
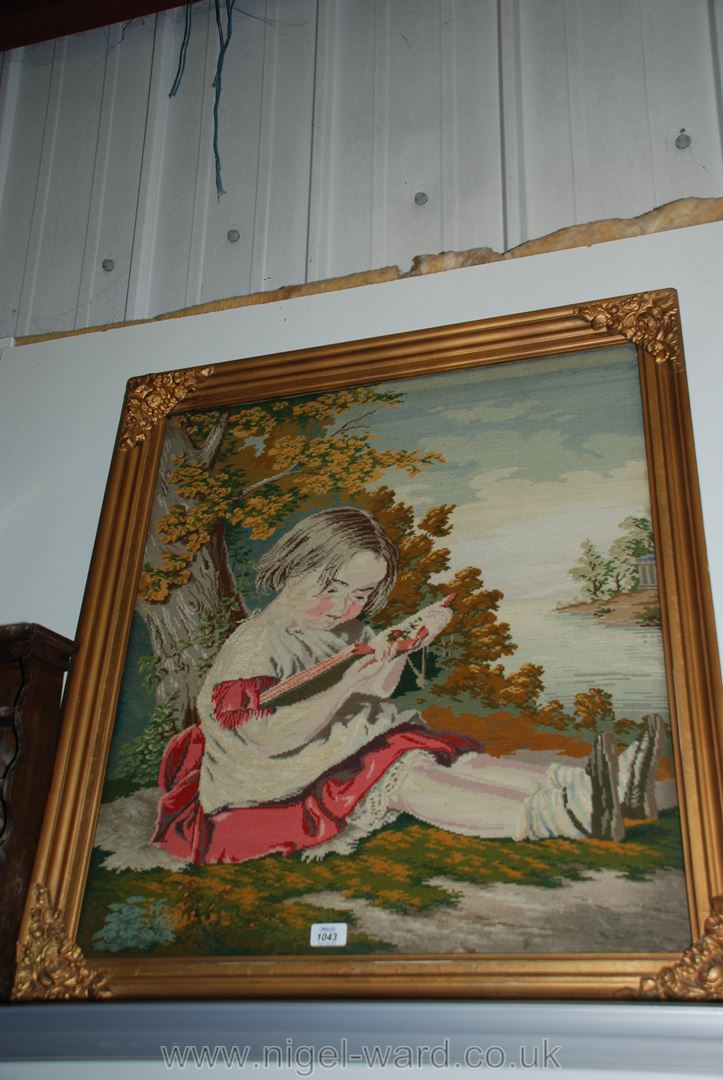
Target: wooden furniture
pixel 33 661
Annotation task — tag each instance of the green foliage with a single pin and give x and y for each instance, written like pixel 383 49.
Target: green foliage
pixel 140 759
pixel 212 630
pixel 241 559
pixel 617 571
pixel 638 537
pixel 650 617
pixel 150 668
pixel 623 567
pixel 133 924
pixel 592 570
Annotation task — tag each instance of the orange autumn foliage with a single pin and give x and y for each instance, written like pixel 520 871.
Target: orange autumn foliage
pixel 275 458
pixel 502 733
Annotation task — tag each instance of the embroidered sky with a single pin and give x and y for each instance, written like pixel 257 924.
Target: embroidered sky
pixel 538 455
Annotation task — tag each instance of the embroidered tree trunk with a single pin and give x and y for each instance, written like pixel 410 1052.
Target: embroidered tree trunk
pixel 187 627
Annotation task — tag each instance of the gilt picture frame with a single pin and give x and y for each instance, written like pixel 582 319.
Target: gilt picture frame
pixel 536 476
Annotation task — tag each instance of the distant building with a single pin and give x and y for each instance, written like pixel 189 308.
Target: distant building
pixel 647 572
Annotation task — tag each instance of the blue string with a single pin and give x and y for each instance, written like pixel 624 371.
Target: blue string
pixel 224 37
pixel 184 49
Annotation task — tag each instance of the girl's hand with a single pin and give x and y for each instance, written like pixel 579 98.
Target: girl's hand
pixel 378 674
pixel 374 677
pixel 422 628
pixel 436 618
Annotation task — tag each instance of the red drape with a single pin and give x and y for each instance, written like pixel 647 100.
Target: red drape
pixel 316 815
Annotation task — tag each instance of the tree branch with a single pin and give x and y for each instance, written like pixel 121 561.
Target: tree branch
pixel 353 423
pixel 271 479
pixel 208 453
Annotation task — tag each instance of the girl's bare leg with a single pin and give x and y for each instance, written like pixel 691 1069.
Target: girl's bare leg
pixel 478 796
pixel 496 797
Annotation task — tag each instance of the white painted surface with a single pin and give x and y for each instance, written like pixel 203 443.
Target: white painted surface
pixel 513 118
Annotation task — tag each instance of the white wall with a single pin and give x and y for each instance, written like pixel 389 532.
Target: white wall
pixel 514 117
pixel 59 407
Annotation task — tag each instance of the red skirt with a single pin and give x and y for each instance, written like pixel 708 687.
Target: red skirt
pixel 313 817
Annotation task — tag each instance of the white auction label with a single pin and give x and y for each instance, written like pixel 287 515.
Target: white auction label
pixel 329 934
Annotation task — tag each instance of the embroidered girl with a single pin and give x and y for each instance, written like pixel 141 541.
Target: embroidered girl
pixel 335 759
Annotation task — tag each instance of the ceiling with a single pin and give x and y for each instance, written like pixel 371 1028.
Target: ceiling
pixel 23 22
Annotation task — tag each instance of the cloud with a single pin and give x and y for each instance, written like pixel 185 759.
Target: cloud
pixel 494 450
pixel 416 494
pixel 488 413
pixel 614 448
pixel 526 535
pixel 504 498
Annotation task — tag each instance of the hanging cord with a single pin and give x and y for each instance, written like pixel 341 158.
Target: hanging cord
pixel 420 673
pixel 224 37
pixel 184 49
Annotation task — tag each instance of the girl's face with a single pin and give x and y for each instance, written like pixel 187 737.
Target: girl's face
pixel 322 607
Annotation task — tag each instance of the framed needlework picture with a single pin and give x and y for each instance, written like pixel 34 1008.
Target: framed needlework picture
pixel 397 676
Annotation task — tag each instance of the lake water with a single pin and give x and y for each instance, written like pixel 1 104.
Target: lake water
pixel 578 651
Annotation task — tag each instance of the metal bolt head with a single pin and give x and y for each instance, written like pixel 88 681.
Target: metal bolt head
pixel 233 236
pixel 108 265
pixel 421 198
pixel 683 139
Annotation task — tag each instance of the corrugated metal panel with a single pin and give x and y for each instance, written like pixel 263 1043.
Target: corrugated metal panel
pixel 50 294
pixel 152 196
pixel 594 96
pixel 25 89
pixel 223 268
pixel 512 117
pixel 114 196
pixel 73 125
pixel 183 255
pixel 176 164
pixel 716 34
pixel 407 103
pixel 282 193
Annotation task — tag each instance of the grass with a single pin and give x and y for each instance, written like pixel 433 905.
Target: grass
pixel 256 908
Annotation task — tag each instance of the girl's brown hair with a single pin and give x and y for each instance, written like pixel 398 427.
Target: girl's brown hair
pixel 324 542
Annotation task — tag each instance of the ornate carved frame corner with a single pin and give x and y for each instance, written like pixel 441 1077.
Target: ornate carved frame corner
pixel 698 975
pixel 50 966
pixel 649 319
pixel 150 398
